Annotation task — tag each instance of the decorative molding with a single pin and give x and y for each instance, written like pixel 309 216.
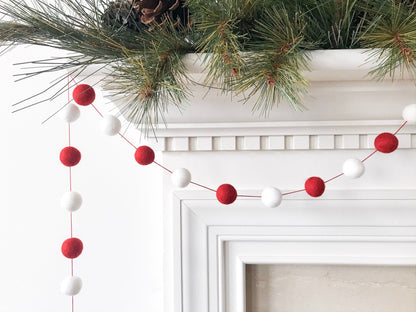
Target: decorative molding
pixel 275 136
pixel 212 243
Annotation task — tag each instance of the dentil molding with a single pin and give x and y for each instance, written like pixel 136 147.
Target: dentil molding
pixel 269 136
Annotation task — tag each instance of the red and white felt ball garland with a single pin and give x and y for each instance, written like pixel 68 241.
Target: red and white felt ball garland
pixel 270 196
pixel 71 201
pixel 226 194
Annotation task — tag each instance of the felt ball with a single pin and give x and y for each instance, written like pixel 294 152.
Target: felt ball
pixel 386 142
pixel 144 155
pixel 409 113
pixel 271 197
pixel 70 156
pixel 314 186
pixel 72 247
pixel 110 125
pixel 69 113
pixel 226 194
pixel 71 201
pixel 71 285
pixel 353 168
pixel 83 94
pixel 180 177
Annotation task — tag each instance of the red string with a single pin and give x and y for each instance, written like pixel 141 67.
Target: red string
pixel 69 134
pixel 68 89
pixel 203 186
pixel 170 171
pixel 70 179
pixel 293 192
pixel 369 156
pixel 250 196
pixel 73 79
pixel 71 222
pixel 397 131
pixel 127 140
pixel 99 113
pixel 336 177
pixel 70 189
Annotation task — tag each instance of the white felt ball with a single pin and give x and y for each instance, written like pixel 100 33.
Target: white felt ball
pixel 271 197
pixel 110 125
pixel 181 177
pixel 71 285
pixel 353 168
pixel 71 201
pixel 69 113
pixel 409 113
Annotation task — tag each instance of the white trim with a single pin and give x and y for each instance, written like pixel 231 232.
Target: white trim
pixel 213 243
pixel 268 136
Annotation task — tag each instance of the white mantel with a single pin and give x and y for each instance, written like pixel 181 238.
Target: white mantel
pixel 344 109
pixel 221 141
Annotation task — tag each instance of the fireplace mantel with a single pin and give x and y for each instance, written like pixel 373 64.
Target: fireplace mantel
pixel 365 221
pixel 344 109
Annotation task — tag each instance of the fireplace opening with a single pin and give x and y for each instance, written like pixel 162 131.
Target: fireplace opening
pixel 330 288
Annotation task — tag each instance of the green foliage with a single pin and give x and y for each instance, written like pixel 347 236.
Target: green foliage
pixel 394 39
pixel 273 68
pixel 148 82
pixel 217 22
pixel 257 48
pixel 336 24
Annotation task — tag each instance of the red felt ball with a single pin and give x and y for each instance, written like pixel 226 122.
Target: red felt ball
pixel 83 94
pixel 386 142
pixel 226 194
pixel 70 156
pixel 144 155
pixel 314 186
pixel 72 247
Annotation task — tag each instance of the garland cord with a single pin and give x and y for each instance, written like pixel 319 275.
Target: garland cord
pixel 70 189
pixel 242 195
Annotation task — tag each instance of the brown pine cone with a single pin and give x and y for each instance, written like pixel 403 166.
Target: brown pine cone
pixel 152 10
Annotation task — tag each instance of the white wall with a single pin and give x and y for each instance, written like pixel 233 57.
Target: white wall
pixel 120 222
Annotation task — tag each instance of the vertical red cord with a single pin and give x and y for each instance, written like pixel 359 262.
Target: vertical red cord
pixel 70 189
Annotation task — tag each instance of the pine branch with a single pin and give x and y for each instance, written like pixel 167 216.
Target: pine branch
pixel 147 83
pixel 393 40
pixel 69 25
pixel 222 45
pixel 273 71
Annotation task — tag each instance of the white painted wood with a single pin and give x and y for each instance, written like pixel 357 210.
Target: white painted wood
pixel 202 144
pixel 350 141
pixel 282 135
pixel 227 143
pixel 335 64
pixel 301 142
pixel 369 220
pixel 325 141
pixel 217 241
pixel 405 140
pixel 179 144
pixel 276 142
pixel 251 143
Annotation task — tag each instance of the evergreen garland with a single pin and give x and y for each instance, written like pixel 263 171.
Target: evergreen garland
pixel 257 48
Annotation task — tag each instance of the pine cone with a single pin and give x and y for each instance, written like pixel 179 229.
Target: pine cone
pixel 153 10
pixel 122 13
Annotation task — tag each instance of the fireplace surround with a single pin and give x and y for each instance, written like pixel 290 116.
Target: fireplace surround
pixel 368 221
